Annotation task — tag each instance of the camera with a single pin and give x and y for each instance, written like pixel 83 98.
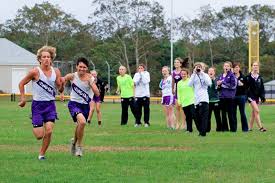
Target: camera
pixel 198 70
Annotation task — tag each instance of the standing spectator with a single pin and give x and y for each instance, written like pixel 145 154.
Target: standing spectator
pixel 240 97
pixel 255 91
pixel 227 84
pixel 168 100
pixel 214 101
pixel 176 75
pixel 186 99
pixel 200 81
pixel 125 87
pixel 142 94
pixel 97 100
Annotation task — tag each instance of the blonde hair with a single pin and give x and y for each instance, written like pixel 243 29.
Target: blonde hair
pixel 166 67
pixel 93 71
pixel 197 63
pixel 51 50
pixel 202 64
pixel 255 62
pixel 229 63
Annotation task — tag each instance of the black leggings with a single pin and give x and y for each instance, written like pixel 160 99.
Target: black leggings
pixel 227 111
pixel 145 103
pixel 125 103
pixel 189 112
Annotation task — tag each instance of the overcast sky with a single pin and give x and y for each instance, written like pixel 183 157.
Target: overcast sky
pixel 81 9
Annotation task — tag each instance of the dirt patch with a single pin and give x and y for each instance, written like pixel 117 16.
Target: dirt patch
pixel 65 148
pixel 123 149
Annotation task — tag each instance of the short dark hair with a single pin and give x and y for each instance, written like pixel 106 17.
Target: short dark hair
pixel 186 70
pixel 83 60
pixel 142 65
pixel 214 68
pixel 236 64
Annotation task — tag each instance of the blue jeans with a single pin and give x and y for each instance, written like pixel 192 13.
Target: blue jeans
pixel 240 101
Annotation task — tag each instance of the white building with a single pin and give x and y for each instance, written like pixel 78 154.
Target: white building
pixel 15 62
pixel 270 89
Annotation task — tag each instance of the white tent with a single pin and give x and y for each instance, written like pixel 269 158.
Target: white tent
pixel 15 62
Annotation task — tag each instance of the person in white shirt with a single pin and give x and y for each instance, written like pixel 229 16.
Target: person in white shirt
pixel 200 81
pixel 168 100
pixel 142 95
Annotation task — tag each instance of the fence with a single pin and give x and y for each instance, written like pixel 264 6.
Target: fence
pixel 113 98
pixel 269 91
pixel 108 98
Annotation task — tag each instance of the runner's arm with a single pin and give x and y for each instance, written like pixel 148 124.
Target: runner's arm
pixel 59 80
pixel 30 76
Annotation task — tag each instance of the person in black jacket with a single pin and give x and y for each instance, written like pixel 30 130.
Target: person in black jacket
pixel 214 101
pixel 97 100
pixel 255 91
pixel 240 96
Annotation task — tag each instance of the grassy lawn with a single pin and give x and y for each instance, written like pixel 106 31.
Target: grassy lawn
pixel 127 154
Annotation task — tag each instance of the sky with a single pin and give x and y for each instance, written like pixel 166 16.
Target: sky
pixel 81 9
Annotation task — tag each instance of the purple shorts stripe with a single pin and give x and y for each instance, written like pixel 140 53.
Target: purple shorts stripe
pixel 75 108
pixel 168 100
pixel 43 111
pixel 251 99
pixel 96 99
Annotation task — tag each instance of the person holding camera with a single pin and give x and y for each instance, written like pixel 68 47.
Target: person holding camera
pixel 227 84
pixel 200 81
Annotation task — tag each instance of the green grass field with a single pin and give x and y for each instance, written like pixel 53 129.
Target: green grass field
pixel 127 154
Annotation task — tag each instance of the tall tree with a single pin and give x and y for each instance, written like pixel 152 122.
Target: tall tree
pixel 134 23
pixel 45 22
pixel 1 30
pixel 232 22
pixel 265 15
pixel 190 33
pixel 207 26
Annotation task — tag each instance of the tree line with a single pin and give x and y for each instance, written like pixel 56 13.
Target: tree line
pixel 130 32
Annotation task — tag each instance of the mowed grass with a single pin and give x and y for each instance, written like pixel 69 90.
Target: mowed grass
pixel 115 153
